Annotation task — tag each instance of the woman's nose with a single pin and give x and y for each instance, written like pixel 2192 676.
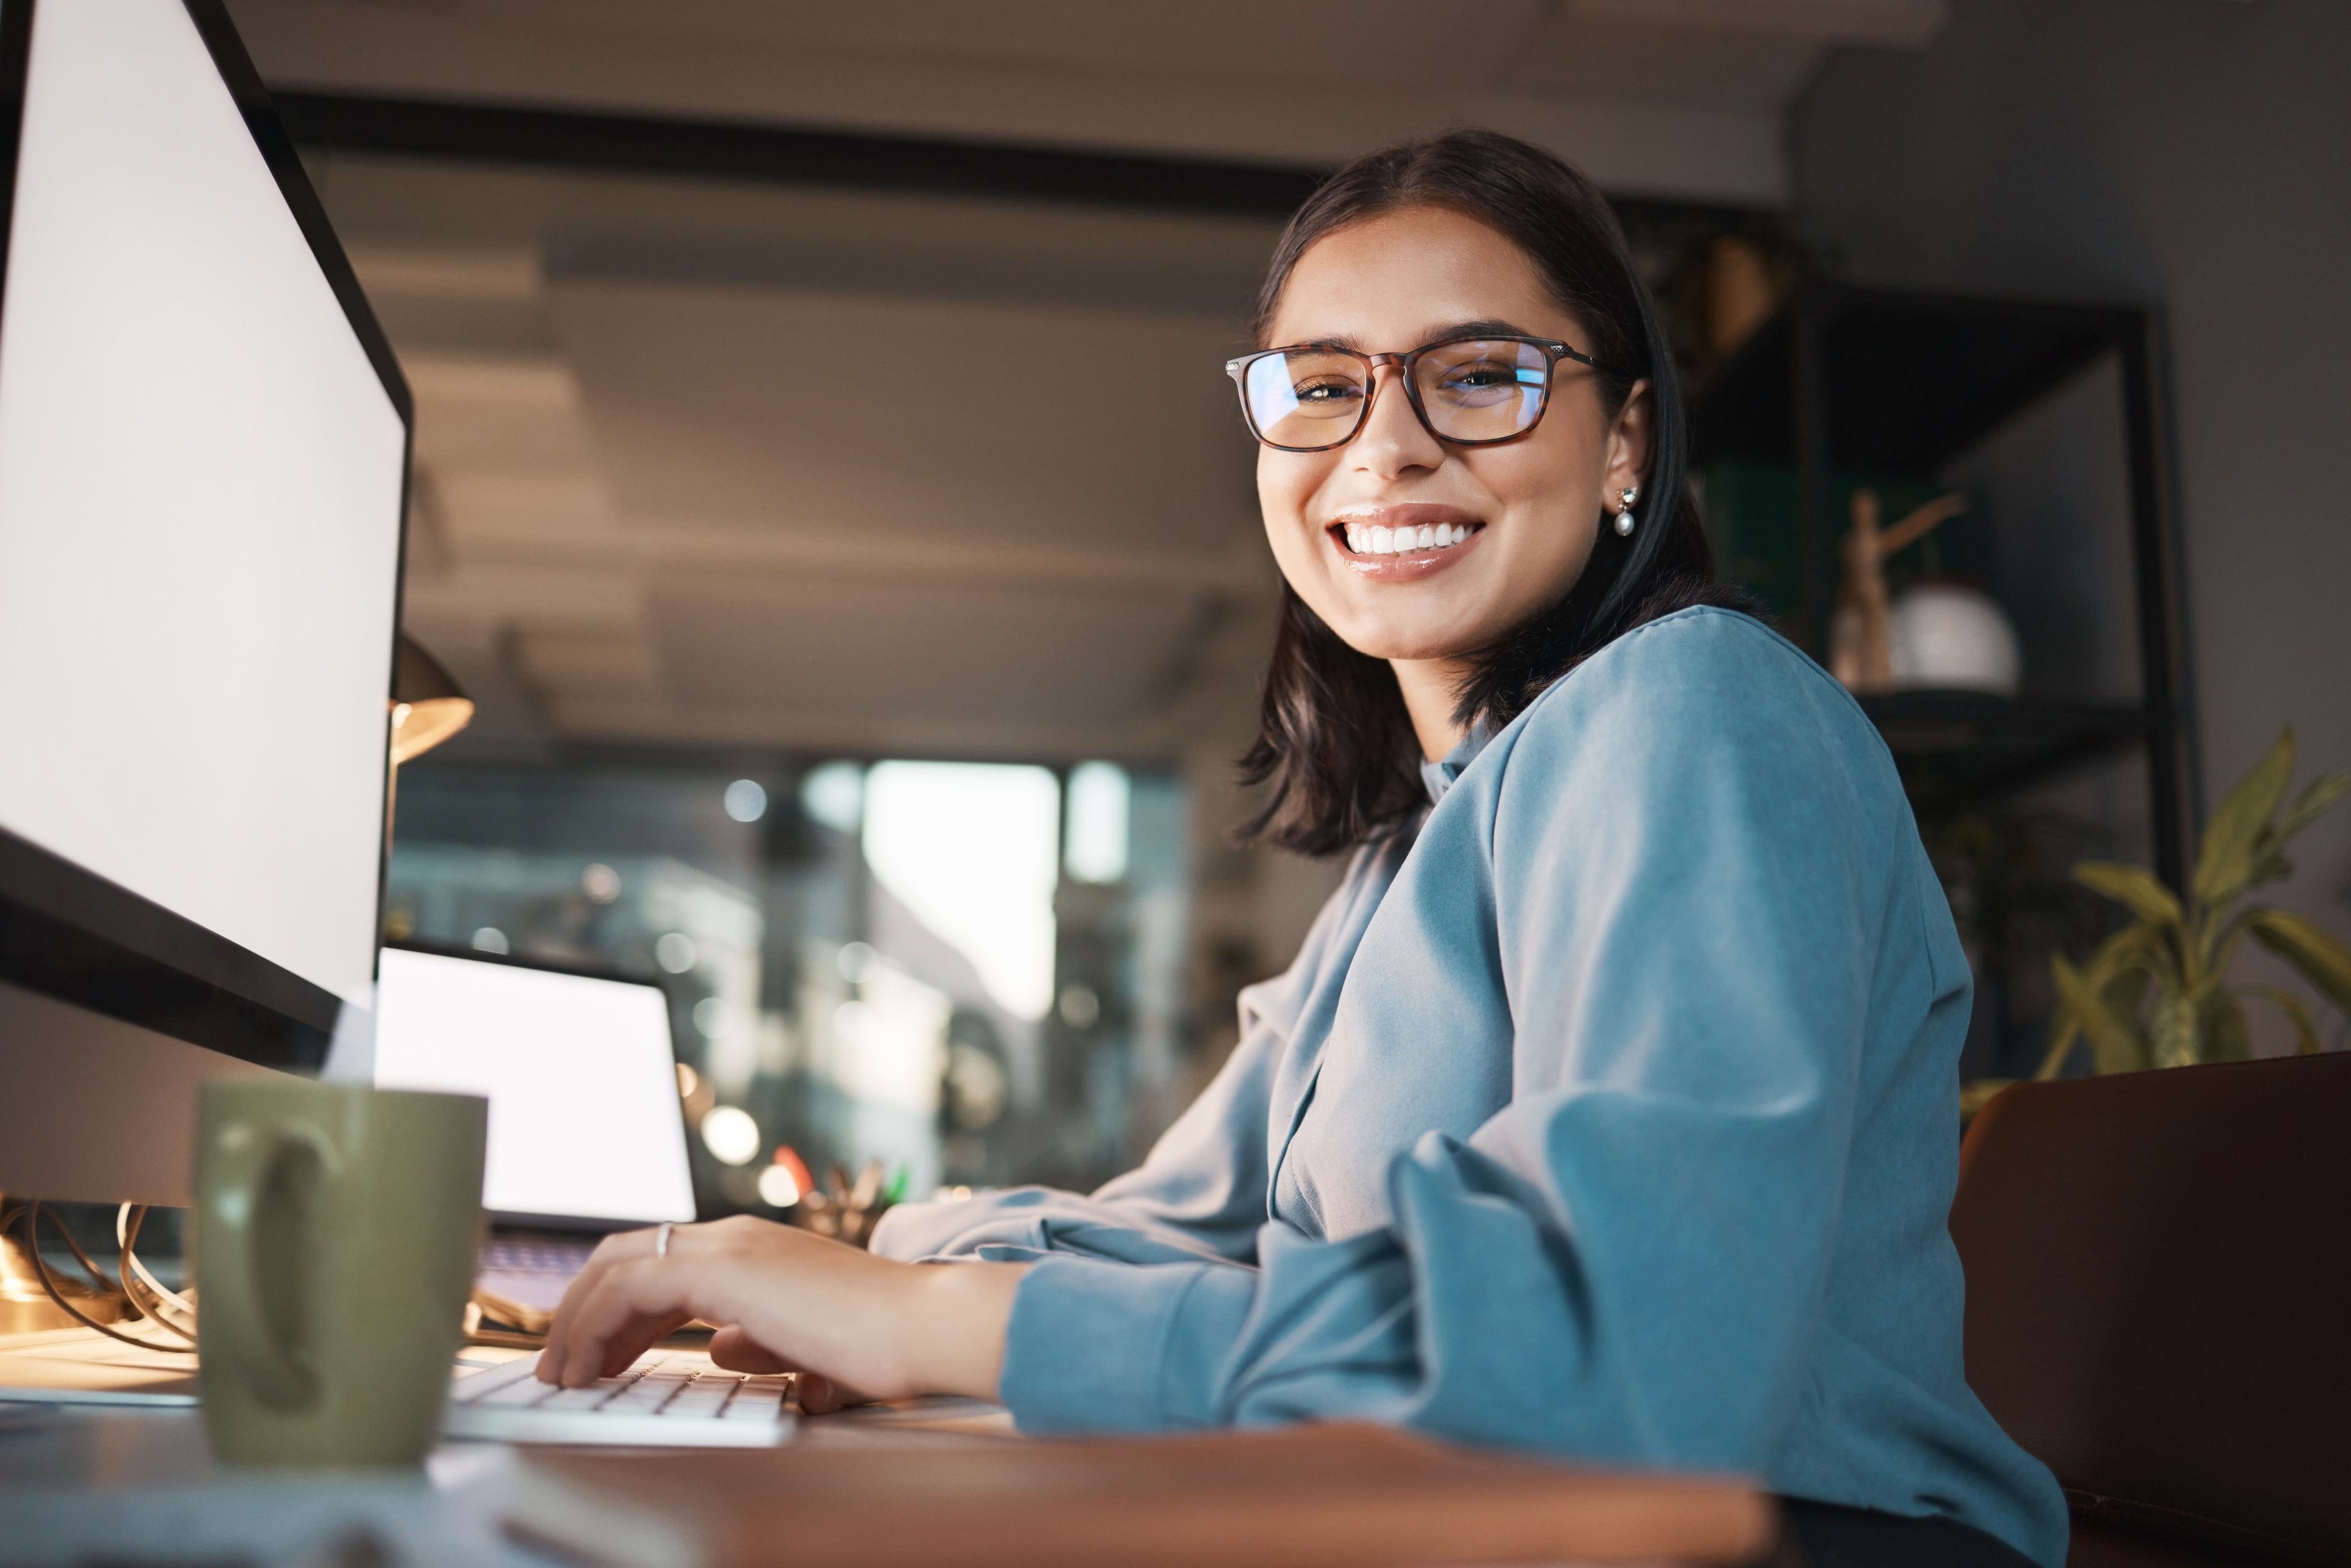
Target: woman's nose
pixel 1393 439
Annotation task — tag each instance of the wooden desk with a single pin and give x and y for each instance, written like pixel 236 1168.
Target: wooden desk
pixel 1309 1496
pixel 940 1484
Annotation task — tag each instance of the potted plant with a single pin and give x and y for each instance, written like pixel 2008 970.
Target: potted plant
pixel 2157 993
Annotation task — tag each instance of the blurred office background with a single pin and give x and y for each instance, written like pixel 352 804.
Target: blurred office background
pixel 827 489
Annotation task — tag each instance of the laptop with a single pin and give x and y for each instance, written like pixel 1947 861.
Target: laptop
pixel 587 1132
pixel 587 1136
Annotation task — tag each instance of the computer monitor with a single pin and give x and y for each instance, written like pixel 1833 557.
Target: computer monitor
pixel 587 1132
pixel 203 459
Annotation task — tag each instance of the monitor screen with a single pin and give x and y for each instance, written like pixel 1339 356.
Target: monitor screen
pixel 579 1072
pixel 201 475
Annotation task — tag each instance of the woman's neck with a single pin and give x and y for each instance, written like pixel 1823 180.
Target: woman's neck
pixel 1432 688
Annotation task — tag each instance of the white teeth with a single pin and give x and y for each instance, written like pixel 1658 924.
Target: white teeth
pixel 1375 540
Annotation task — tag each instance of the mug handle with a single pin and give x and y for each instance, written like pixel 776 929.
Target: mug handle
pixel 244 1159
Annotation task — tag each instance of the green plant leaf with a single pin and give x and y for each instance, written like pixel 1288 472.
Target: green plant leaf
pixel 2305 1034
pixel 2317 956
pixel 2117 1046
pixel 2064 1031
pixel 2222 870
pixel 1975 1095
pixel 2270 863
pixel 2133 887
pixel 2312 803
pixel 2221 1032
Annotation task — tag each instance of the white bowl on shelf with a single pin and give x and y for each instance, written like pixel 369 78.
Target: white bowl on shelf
pixel 1952 637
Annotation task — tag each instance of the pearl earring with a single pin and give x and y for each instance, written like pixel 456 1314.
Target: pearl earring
pixel 1625 499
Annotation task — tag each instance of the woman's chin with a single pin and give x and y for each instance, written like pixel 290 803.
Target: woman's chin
pixel 1385 639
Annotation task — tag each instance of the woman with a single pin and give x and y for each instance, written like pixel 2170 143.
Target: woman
pixel 1610 1109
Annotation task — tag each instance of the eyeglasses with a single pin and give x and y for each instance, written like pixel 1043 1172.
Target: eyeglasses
pixel 1472 392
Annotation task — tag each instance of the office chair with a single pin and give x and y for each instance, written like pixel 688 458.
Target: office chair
pixel 2158 1270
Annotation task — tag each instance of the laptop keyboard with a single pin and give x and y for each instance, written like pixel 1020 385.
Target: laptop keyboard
pixel 666 1397
pixel 511 1256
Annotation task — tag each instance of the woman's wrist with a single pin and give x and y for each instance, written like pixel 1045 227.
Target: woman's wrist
pixel 961 1312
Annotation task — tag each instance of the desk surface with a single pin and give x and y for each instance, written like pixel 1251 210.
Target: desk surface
pixel 140 1486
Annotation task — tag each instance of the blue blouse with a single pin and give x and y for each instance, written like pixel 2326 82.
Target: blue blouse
pixel 1611 1113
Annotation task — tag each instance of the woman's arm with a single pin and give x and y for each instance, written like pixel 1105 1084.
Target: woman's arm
pixel 869 1321
pixel 1691 852
pixel 791 1300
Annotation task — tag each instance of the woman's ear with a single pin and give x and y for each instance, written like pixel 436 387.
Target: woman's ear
pixel 1628 456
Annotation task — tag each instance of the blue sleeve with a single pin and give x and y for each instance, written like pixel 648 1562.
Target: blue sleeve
pixel 1685 862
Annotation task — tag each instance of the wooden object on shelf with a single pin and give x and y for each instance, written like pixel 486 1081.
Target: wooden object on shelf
pixel 1883 382
pixel 1304 1497
pixel 1861 633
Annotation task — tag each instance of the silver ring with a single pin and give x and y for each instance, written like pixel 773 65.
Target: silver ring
pixel 661 1239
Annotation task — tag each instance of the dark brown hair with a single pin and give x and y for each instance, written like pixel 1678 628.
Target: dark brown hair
pixel 1335 746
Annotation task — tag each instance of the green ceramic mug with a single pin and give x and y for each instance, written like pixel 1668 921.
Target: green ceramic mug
pixel 336 1233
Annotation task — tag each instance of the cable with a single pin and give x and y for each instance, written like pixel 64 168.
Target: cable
pixel 31 1213
pixel 126 1222
pixel 97 1284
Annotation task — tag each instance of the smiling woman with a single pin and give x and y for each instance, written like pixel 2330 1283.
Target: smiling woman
pixel 1607 1111
pixel 1537 398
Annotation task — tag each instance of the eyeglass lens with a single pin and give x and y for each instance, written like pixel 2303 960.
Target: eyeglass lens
pixel 1475 390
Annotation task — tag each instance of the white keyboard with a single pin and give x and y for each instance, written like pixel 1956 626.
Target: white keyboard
pixel 668 1399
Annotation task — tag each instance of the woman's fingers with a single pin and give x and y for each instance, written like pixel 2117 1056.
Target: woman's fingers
pixel 629 1305
pixel 621 1246
pixel 737 1351
pixel 821 1395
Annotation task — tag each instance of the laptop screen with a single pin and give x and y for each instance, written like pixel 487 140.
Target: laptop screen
pixel 579 1073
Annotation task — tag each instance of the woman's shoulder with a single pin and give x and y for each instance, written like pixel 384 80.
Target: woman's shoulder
pixel 1702 689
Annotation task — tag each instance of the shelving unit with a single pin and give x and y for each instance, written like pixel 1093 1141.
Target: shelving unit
pixel 1886 381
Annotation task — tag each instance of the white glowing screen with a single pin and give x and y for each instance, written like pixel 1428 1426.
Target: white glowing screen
pixel 579 1074
pixel 200 492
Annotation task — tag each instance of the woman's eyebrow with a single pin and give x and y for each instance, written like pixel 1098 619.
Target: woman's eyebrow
pixel 1486 328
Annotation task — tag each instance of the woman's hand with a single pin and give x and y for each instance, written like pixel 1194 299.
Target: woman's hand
pixel 788 1299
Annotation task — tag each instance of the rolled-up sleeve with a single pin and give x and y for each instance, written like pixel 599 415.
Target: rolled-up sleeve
pixel 1687 861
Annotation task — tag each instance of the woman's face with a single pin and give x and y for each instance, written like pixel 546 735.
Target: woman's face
pixel 1531 506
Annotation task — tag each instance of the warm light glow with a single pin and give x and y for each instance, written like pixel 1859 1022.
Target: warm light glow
pixel 418 728
pixel 777 1188
pixel 688 1081
pixel 731 1135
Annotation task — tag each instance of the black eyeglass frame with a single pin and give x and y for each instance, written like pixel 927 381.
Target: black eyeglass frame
pixel 1407 362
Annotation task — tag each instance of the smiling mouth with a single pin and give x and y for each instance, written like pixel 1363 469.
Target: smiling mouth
pixel 1374 539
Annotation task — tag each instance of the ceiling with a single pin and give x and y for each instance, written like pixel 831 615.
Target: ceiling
pixel 713 465
pixel 1660 98
pixel 724 464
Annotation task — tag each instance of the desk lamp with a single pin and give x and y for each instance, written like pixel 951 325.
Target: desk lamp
pixel 427 707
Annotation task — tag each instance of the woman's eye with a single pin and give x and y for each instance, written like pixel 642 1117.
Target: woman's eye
pixel 1474 377
pixel 1324 392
